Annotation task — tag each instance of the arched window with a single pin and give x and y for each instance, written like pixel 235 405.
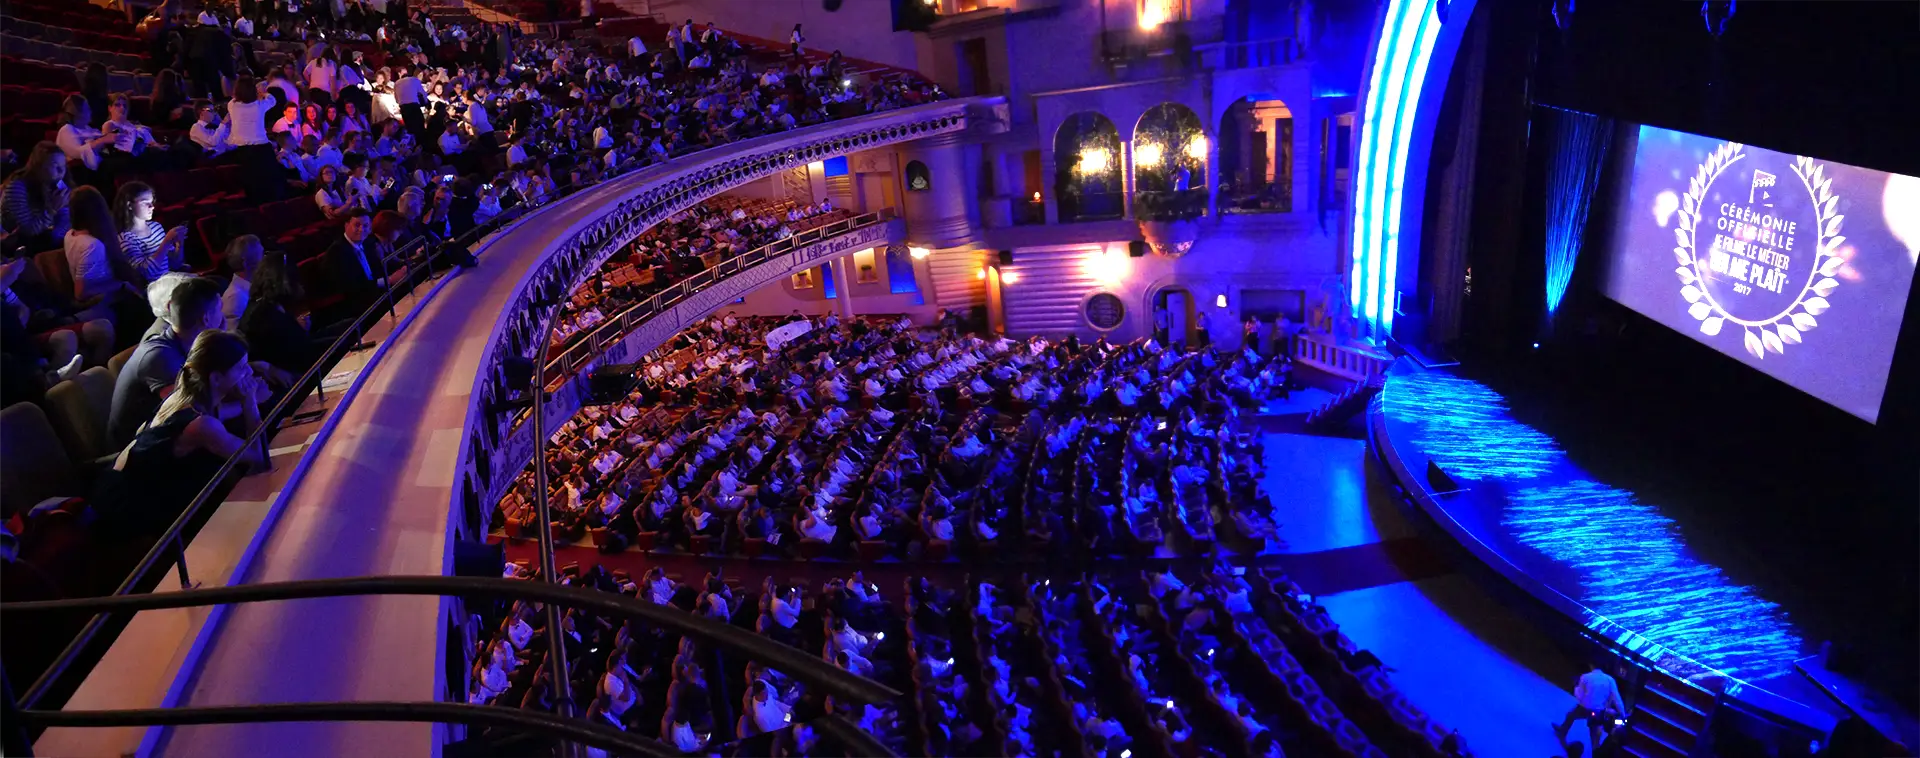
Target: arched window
pixel 1086 179
pixel 1256 157
pixel 1169 163
pixel 918 180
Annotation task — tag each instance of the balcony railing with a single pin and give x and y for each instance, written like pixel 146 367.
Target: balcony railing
pixel 588 348
pixel 22 716
pixel 1226 56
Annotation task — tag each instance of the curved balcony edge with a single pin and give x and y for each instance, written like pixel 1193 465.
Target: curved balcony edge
pixel 504 445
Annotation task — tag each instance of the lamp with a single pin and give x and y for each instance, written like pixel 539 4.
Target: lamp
pixel 1009 277
pixel 919 253
pixel 1147 154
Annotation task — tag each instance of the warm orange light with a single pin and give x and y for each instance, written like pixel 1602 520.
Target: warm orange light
pixel 1036 197
pixel 1107 267
pixel 1153 13
pixel 982 274
pixel 1093 160
pixel 1197 148
pixel 1147 154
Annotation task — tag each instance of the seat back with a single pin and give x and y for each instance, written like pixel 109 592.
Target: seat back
pixel 52 265
pixel 37 464
pixel 78 408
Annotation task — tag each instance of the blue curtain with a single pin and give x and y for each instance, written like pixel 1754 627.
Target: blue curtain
pixel 1573 175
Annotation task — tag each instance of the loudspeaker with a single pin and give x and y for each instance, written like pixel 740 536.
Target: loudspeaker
pixel 610 384
pixel 479 559
pixel 1006 257
pixel 1137 249
pixel 516 373
pixel 1439 479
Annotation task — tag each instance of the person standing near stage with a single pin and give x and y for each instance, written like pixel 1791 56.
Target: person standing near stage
pixel 1597 700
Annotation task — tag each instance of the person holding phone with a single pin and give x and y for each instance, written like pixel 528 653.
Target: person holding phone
pixel 152 249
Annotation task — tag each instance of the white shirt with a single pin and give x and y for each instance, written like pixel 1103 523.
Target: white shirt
pixel 233 302
pixel 322 75
pixel 450 143
pixel 73 139
pixel 214 140
pixel 409 91
pixel 516 155
pixel 87 263
pixel 248 121
pixel 1597 692
pixel 243 26
pixel 477 116
pixel 635 47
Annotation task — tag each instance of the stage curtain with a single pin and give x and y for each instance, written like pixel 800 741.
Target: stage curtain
pixel 1573 175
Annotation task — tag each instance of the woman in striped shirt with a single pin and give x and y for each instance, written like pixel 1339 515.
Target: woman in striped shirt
pixel 33 204
pixel 151 248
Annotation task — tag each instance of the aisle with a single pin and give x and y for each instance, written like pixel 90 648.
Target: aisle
pixel 1457 654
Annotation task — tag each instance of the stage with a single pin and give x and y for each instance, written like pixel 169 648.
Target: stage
pixel 1591 551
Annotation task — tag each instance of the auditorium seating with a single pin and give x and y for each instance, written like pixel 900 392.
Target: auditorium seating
pixel 993 664
pixel 56 440
pixel 872 439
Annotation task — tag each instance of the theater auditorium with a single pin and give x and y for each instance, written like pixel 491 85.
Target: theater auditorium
pixel 1070 378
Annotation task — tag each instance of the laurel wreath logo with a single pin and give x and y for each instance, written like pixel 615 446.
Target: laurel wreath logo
pixel 1788 326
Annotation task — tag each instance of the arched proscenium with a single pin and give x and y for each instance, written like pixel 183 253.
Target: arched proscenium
pixel 1413 55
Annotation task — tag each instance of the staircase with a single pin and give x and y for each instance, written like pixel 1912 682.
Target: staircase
pixel 1670 719
pixel 1334 414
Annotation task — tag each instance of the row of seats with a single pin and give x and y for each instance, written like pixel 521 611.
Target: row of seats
pixel 1145 664
pixel 72 47
pixel 733 459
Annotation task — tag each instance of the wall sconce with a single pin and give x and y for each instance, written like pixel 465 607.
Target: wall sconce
pixel 1197 147
pixel 1036 196
pixel 1009 277
pixel 919 253
pixel 1093 160
pixel 981 274
pixel 1107 267
pixel 1147 154
pixel 1219 301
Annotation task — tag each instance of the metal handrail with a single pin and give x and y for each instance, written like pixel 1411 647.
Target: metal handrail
pixel 591 344
pixel 810 670
pixel 572 730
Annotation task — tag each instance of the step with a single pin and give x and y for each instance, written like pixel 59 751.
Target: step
pixel 1665 727
pixel 1643 743
pixel 1656 698
pixel 1682 691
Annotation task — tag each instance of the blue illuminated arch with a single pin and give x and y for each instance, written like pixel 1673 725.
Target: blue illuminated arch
pixel 1406 78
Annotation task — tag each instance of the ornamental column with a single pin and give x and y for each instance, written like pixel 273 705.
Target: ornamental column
pixel 945 214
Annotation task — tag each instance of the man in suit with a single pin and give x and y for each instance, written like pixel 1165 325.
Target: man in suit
pixel 356 268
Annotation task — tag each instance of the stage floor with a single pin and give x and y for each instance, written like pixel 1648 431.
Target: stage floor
pixel 1621 562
